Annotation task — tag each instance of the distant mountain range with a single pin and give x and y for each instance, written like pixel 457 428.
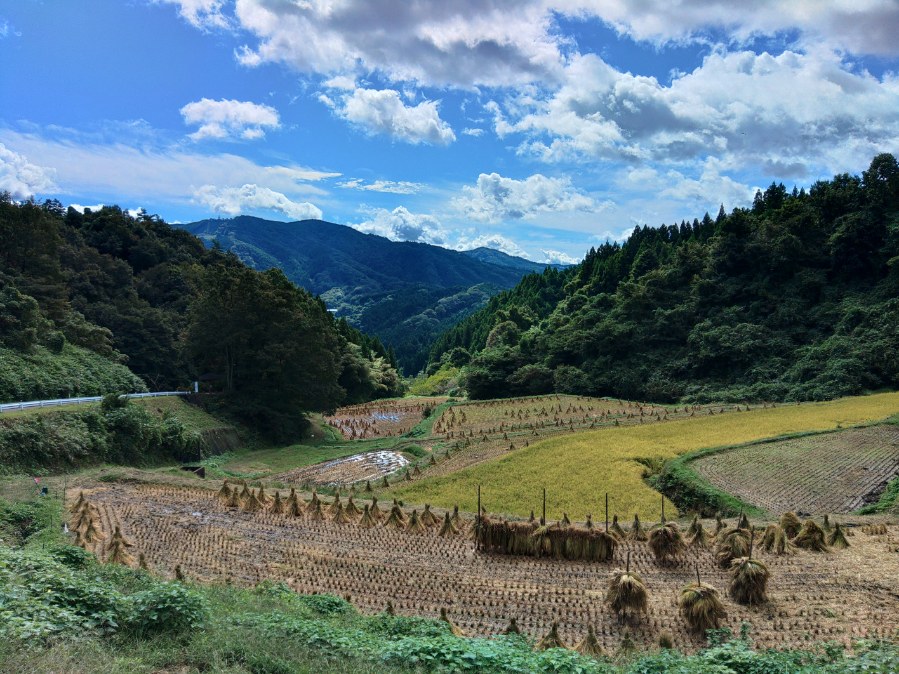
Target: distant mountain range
pixel 405 293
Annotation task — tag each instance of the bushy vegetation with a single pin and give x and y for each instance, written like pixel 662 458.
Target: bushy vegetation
pixel 445 381
pixel 84 295
pixel 62 611
pixel 123 433
pixel 73 371
pixel 794 298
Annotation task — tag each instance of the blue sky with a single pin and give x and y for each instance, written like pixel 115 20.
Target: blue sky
pixel 536 127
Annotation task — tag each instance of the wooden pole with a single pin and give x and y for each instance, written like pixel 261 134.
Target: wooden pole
pixel 607 512
pixel 478 522
pixel 543 518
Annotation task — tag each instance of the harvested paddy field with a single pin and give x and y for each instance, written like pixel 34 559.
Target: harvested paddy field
pixel 347 470
pixel 817 474
pixel 381 418
pixel 840 595
pixel 579 468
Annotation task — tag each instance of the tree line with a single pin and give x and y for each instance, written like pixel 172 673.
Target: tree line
pixel 794 298
pixel 143 294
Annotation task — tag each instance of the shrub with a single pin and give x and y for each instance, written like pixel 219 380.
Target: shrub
pixel 167 608
pixel 326 604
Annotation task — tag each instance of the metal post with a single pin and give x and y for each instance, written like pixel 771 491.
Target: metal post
pixel 607 512
pixel 543 519
pixel 478 522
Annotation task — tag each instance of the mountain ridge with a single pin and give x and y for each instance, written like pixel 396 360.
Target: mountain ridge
pixel 404 292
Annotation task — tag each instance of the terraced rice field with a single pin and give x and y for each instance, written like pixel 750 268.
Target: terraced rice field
pixel 813 596
pixel 480 431
pixel 380 418
pixel 578 469
pixel 828 473
pixel 347 470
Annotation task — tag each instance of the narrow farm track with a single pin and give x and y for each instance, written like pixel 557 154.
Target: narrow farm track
pixel 818 474
pixel 841 595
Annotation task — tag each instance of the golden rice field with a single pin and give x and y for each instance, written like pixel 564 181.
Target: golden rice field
pixel 578 470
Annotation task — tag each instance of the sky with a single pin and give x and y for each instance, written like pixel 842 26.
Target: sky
pixel 536 127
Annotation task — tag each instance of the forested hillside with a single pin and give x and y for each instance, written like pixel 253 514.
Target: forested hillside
pixel 405 293
pixel 104 301
pixel 796 297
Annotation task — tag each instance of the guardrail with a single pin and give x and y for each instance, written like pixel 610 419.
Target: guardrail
pixel 13 407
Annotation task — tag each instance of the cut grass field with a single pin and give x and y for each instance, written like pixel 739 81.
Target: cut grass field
pixel 578 470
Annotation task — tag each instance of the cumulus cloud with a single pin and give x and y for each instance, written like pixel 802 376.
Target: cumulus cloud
pixel 236 200
pixel 495 241
pixel 388 186
pixel 471 43
pixel 465 43
pixel 495 198
pixel 401 224
pixel 863 26
pixel 203 14
pixel 383 111
pixel 781 113
pixel 558 257
pixel 81 207
pixel 20 177
pixel 229 118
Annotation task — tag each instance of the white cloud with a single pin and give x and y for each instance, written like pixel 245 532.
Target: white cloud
pixel 203 14
pixel 477 133
pixel 388 186
pixel 125 171
pixel 383 111
pixel 558 257
pixel 236 200
pixel 708 189
pixel 81 207
pixel 400 224
pixel 496 198
pixel 20 177
pixel 861 26
pixel 465 43
pixel 786 114
pixel 495 241
pixel 228 118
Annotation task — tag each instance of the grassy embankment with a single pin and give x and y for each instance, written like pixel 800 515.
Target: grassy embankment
pixel 577 470
pixel 142 432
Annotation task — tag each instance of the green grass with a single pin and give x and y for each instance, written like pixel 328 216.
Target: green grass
pixel 190 415
pixel 195 418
